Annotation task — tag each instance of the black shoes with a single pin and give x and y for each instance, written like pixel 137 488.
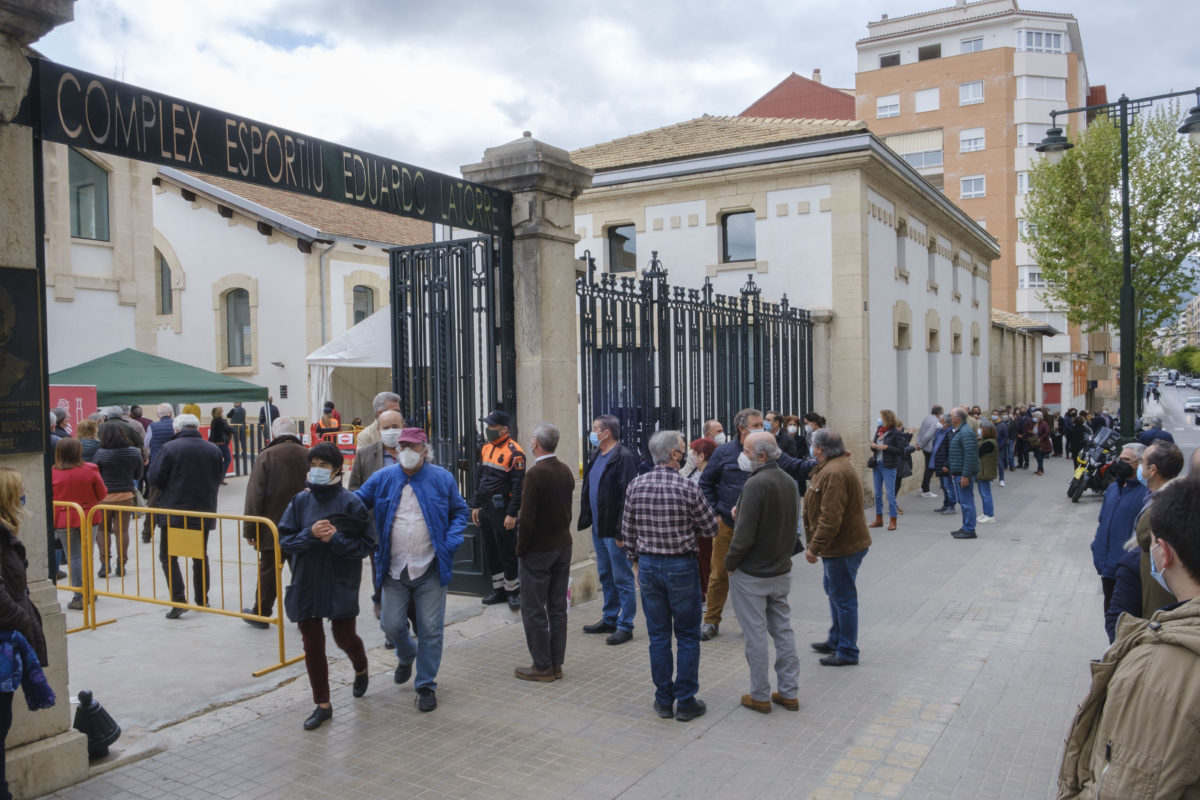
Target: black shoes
pixel 254 623
pixel 837 661
pixel 690 712
pixel 823 647
pixel 709 631
pixel 175 613
pixel 426 699
pixel 318 716
pixel 403 673
pixel 620 636
pixel 496 597
pixel 665 712
pixel 962 534
pixel 514 602
pixel 360 684
pixel 600 627
pixel 103 571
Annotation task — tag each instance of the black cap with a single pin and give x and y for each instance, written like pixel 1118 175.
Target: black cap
pixel 498 417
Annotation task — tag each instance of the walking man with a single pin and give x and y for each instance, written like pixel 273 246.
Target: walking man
pixel 496 505
pixel 925 436
pixel 664 515
pixel 609 470
pixel 836 532
pixel 158 434
pixel 420 518
pixel 760 565
pixel 964 467
pixel 544 550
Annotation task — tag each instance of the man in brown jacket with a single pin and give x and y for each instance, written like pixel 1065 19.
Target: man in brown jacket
pixel 836 531
pixel 544 556
pixel 278 476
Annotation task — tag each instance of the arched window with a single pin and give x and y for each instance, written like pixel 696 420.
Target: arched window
pixel 162 284
pixel 364 303
pixel 237 327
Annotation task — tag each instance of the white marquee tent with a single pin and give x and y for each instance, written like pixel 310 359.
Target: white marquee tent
pixel 352 368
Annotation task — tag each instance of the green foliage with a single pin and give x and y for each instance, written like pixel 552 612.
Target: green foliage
pixel 1181 359
pixel 1073 214
pixel 1194 363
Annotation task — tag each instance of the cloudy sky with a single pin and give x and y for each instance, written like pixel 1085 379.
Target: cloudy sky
pixel 435 83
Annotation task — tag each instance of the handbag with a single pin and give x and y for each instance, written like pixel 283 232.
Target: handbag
pixel 871 462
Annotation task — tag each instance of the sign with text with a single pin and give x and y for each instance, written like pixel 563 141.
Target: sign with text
pixel 78 401
pixel 84 110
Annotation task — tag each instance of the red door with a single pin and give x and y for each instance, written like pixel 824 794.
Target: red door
pixel 1051 394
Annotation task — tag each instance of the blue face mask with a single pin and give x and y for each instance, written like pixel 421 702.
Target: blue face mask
pixel 1158 576
pixel 767 425
pixel 879 422
pixel 1142 478
pixel 594 438
pixel 319 476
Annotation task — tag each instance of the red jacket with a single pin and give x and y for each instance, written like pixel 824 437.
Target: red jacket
pixel 82 485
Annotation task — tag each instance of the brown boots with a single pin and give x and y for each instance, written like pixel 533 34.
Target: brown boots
pixel 878 523
pixel 891 523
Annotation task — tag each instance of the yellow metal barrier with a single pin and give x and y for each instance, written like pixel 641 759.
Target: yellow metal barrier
pixel 84 543
pixel 186 540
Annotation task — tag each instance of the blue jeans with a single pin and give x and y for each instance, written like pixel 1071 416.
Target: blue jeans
pixel 985 493
pixel 885 480
pixel 840 574
pixel 671 604
pixel 1006 458
pixel 616 581
pixel 949 493
pixel 966 501
pixel 429 597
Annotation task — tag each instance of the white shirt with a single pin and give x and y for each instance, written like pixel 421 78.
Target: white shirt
pixel 411 545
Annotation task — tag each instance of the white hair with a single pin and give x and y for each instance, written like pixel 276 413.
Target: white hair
pixel 166 410
pixel 283 426
pixel 186 421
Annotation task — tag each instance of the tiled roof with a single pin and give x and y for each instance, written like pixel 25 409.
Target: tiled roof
pixel 798 97
pixel 707 135
pixel 328 216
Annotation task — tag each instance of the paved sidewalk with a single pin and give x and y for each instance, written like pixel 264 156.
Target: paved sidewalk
pixel 974 656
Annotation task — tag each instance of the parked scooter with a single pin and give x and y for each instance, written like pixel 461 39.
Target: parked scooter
pixel 1092 465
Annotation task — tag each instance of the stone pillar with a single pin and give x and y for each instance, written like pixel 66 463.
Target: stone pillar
pixel 43 752
pixel 545 182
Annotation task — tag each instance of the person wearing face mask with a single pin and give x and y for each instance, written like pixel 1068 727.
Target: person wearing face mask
pixel 1123 502
pixel 888 446
pixel 419 519
pixel 1161 462
pixel 924 442
pixel 277 476
pixel 326 532
pixel 373 457
pixel 663 517
pixel 1003 443
pixel 496 504
pixel 715 430
pixel 1135 734
pixel 609 469
pixel 791 439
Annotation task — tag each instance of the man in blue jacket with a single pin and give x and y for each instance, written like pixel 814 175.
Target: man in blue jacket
pixel 420 517
pixel 964 466
pixel 1123 502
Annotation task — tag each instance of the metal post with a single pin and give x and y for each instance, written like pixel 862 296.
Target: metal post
pixel 1128 323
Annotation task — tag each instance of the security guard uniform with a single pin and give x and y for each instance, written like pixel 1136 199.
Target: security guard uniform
pixel 497 495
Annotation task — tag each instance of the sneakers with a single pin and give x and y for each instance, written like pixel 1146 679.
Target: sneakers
pixel 426 699
pixel 709 631
pixel 930 495
pixel 664 712
pixel 76 603
pixel 963 534
pixel 983 519
pixel 761 706
pixel 1001 481
pixel 790 703
pixel 403 673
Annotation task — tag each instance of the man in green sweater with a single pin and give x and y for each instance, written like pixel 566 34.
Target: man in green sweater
pixel 759 563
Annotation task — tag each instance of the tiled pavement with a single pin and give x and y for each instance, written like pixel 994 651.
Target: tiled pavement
pixel 974 657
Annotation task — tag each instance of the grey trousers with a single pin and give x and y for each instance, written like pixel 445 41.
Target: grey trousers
pixel 543 577
pixel 762 609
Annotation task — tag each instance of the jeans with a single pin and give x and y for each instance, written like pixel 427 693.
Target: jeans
pixel 762 609
pixel 1040 458
pixel 985 493
pixel 949 493
pixel 966 501
pixel 840 573
pixel 885 480
pixel 429 596
pixel 73 541
pixel 1006 455
pixel 671 604
pixel 616 581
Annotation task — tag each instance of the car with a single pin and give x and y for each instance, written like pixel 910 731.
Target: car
pixel 1168 382
pixel 1191 404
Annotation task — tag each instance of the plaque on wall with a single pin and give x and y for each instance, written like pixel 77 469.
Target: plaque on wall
pixel 23 418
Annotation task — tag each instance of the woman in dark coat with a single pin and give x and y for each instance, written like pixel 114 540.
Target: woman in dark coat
pixel 326 532
pixel 1043 447
pixel 220 433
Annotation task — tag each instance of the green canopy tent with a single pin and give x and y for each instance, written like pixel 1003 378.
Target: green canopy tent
pixel 130 376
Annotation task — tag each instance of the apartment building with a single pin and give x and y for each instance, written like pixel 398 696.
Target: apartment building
pixel 964 94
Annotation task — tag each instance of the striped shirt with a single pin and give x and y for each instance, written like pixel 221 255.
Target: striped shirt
pixel 664 514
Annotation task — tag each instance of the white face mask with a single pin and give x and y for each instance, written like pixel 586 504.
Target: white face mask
pixel 744 463
pixel 390 437
pixel 793 429
pixel 720 438
pixel 409 459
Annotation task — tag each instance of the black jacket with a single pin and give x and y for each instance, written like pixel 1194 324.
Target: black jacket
pixel 722 479
pixel 17 612
pixel 325 575
pixel 894 440
pixel 618 472
pixel 187 470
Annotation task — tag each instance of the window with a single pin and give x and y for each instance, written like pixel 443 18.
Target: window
pixel 237 327
pixel 364 303
pixel 737 236
pixel 970 93
pixel 1032 87
pixel 162 283
pixel 89 197
pixel 926 158
pixel 622 248
pixel 889 60
pixel 1022 188
pixel 887 105
pixel 1052 366
pixel 1024 228
pixel 970 140
pixel 1030 135
pixel 981 223
pixel 971 45
pixel 1031 278
pixel 972 186
pixel 929 52
pixel 926 100
pixel 1039 41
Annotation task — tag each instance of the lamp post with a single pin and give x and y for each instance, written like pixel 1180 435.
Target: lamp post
pixel 1055 145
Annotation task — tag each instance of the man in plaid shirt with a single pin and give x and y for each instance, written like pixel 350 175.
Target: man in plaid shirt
pixel 664 514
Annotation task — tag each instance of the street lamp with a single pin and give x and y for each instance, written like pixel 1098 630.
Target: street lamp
pixel 1055 145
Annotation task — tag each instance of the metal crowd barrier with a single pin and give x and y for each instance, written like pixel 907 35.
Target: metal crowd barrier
pixel 188 541
pixel 84 587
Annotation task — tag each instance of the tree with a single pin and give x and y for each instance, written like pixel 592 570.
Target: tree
pixel 1073 224
pixel 1182 358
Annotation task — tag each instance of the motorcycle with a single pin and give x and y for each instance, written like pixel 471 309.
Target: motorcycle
pixel 1093 463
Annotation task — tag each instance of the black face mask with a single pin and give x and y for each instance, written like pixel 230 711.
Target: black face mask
pixel 1123 470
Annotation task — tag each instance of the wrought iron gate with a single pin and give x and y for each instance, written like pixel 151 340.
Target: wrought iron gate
pixel 659 357
pixel 454 358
